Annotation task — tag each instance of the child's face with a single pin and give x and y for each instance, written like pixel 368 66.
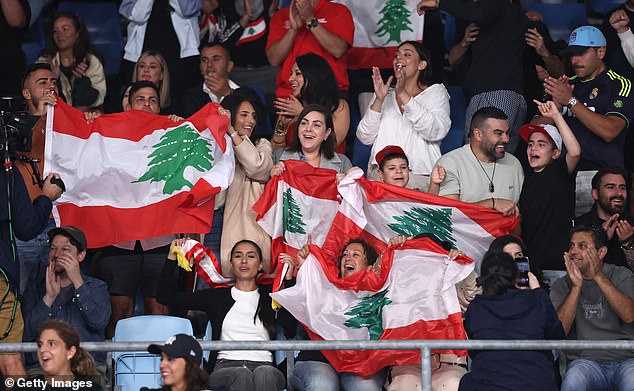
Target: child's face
pixel 541 151
pixel 395 172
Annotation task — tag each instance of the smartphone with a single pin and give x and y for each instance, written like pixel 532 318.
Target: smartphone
pixel 523 267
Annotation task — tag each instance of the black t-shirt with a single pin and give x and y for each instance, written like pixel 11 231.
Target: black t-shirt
pixel 547 206
pixel 607 94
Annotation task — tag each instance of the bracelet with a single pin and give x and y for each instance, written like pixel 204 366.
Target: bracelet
pixel 280 132
pixel 493 202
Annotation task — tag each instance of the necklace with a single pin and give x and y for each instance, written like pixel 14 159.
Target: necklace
pixel 490 178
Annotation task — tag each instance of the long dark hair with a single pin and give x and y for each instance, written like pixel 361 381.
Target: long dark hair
pixel 320 85
pixel 498 273
pixel 328 146
pixel 197 378
pixel 83 45
pixel 498 244
pixel 370 252
pixel 424 78
pixel 266 317
pixel 82 364
pixel 232 101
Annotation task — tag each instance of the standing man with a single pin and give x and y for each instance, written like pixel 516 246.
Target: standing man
pixel 482 172
pixel 597 106
pixel 14 22
pixel 495 76
pixel 595 302
pixel 310 26
pixel 609 192
pixel 39 89
pixel 215 65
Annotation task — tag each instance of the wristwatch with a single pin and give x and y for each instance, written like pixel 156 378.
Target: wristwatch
pixel 312 23
pixel 571 102
pixel 629 245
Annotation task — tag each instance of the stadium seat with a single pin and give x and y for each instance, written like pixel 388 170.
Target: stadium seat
pixel 34 41
pixel 103 24
pixel 458 105
pixel 561 18
pixel 450 29
pixel 361 155
pixel 207 337
pixel 133 370
pixel 604 6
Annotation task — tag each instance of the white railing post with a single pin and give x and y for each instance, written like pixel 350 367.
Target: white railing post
pixel 425 361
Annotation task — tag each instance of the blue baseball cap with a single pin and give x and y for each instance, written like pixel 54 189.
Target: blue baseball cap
pixel 585 37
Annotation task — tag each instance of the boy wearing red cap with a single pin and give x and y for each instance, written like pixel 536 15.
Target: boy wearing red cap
pixel 394 169
pixel 547 200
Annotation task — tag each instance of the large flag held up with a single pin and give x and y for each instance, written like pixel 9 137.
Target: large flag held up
pixel 137 175
pixel 302 200
pixel 413 298
pixel 379 27
pixel 377 212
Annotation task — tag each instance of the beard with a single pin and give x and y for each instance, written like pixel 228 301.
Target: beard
pixel 606 204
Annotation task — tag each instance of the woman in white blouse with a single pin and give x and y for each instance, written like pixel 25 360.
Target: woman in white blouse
pixel 414 114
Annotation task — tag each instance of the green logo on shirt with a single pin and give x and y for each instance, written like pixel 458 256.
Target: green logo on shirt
pixel 618 103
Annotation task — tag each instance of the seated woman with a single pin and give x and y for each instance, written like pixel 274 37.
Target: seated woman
pixel 505 312
pixel 240 313
pixel 153 67
pixel 514 246
pixel 62 358
pixel 314 143
pixel 413 115
pixel 312 369
pixel 181 364
pixel 313 82
pixel 75 63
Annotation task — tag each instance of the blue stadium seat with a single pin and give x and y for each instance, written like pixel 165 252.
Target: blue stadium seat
pixel 450 29
pixel 34 41
pixel 103 24
pixel 361 155
pixel 458 105
pixel 561 18
pixel 133 370
pixel 604 6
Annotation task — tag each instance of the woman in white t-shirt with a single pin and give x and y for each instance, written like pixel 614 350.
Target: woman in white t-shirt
pixel 239 313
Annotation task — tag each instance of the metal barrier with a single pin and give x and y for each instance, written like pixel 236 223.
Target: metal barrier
pixel 425 346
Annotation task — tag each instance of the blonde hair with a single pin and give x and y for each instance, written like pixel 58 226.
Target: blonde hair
pixel 164 85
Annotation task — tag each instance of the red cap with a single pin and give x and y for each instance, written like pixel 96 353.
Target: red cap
pixel 389 150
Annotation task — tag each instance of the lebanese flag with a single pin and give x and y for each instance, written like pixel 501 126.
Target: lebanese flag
pixel 302 200
pixel 252 31
pixel 413 298
pixel 137 175
pixel 377 212
pixel 379 27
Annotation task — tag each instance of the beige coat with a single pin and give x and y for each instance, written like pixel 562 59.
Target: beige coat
pixel 252 171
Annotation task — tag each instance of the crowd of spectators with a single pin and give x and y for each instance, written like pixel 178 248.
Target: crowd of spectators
pixel 546 139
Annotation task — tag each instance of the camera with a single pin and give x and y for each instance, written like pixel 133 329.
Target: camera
pixel 16 126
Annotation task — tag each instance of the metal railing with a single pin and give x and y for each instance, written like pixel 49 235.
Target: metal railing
pixel 425 347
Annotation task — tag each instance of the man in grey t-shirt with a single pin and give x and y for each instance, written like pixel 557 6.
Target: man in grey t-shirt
pixel 481 172
pixel 595 301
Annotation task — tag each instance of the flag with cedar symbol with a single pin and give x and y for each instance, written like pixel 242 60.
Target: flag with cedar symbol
pixel 136 175
pixel 302 200
pixel 377 212
pixel 414 297
pixel 379 27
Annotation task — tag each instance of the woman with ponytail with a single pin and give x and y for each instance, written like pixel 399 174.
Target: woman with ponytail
pixel 62 360
pixel 503 311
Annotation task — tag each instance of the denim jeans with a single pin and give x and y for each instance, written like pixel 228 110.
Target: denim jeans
pixel 321 376
pixel 594 376
pixel 34 258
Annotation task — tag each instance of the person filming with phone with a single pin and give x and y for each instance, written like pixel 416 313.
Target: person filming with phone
pixel 503 311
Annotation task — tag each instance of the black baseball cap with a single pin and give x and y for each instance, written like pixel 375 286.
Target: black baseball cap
pixel 71 232
pixel 180 346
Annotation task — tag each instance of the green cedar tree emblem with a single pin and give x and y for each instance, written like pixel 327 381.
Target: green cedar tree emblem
pixel 178 148
pixel 394 20
pixel 425 220
pixel 369 313
pixel 292 215
pixel 250 31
